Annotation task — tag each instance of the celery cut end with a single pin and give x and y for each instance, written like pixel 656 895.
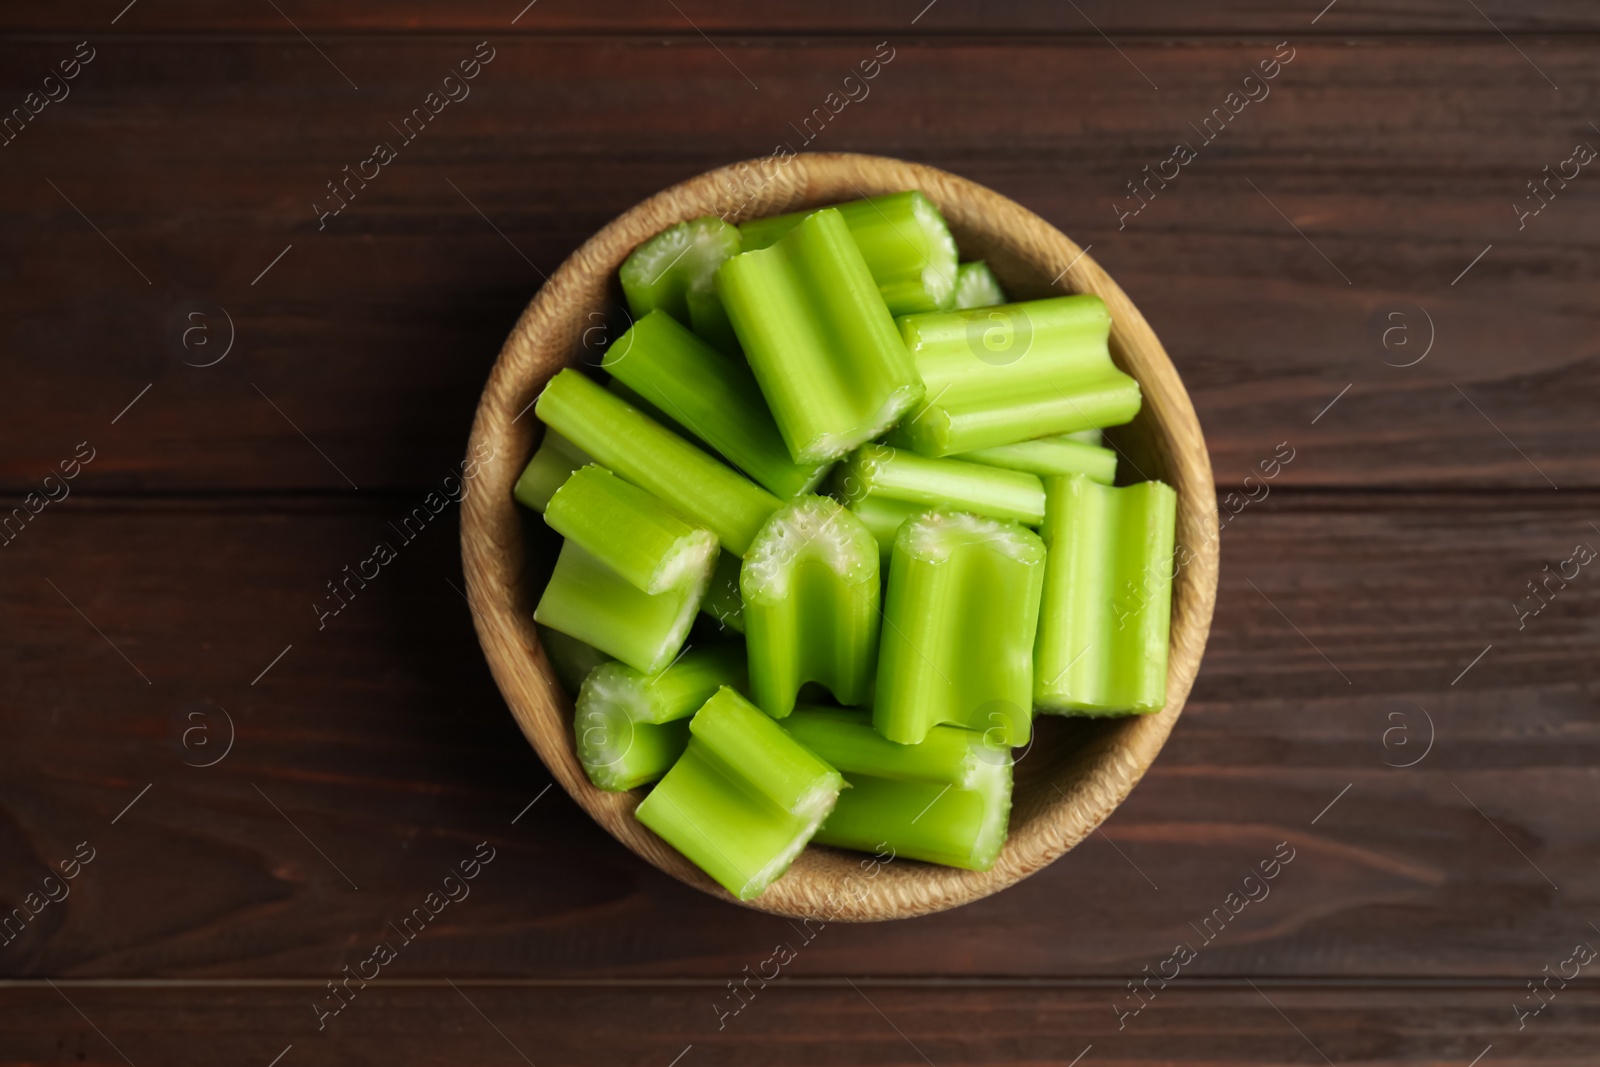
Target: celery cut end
pixel 977 287
pixel 937 535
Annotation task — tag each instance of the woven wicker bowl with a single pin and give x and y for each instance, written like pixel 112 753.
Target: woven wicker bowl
pixel 1077 771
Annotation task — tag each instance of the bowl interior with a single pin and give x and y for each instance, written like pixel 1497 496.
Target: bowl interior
pixel 1077 770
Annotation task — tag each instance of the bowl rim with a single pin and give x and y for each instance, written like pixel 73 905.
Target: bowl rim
pixel 827 884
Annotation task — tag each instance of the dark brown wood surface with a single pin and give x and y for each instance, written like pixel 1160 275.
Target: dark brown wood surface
pixel 1367 616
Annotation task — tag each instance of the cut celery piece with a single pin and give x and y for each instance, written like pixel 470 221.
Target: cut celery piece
pixel 945 800
pixel 722 601
pixel 1051 455
pixel 649 455
pixel 675 271
pixel 1107 608
pixel 999 375
pixel 553 462
pixel 630 531
pixel 712 397
pixel 1087 437
pixel 959 622
pixel 571 659
pixel 884 518
pixel 624 392
pixel 744 798
pixel 977 287
pixel 619 754
pixel 810 590
pixel 899 474
pixel 819 339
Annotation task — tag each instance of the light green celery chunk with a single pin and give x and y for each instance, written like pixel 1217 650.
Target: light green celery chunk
pixel 899 474
pixel 1051 455
pixel 630 727
pixel 819 339
pixel 884 518
pixel 722 601
pixel 571 659
pixel 744 798
pixel 588 600
pixel 712 397
pixel 903 239
pixel 958 635
pixel 629 530
pixel 1088 437
pixel 649 455
pixel 810 590
pixel 998 375
pixel 553 462
pixel 977 287
pixel 945 800
pixel 675 272
pixel 1107 607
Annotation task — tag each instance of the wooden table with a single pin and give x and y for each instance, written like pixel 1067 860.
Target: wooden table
pixel 249 390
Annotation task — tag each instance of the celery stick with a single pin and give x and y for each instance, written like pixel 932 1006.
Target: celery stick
pixel 675 271
pixel 977 287
pixel 903 239
pixel 999 375
pixel 810 590
pixel 1087 437
pixel 655 459
pixel 1051 455
pixel 819 339
pixel 712 397
pixel 588 600
pixel 553 462
pixel 959 622
pixel 571 659
pixel 744 799
pixel 884 517
pixel 1107 607
pixel 722 601
pixel 629 530
pixel 619 754
pixel 898 474
pixel 628 395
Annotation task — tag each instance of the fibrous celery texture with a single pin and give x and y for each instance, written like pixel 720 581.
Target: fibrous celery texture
pixel 977 287
pixel 819 338
pixel 553 463
pixel 675 271
pixel 631 727
pixel 959 622
pixel 810 590
pixel 903 239
pixel 642 451
pixel 902 475
pixel 998 375
pixel 945 800
pixel 1107 607
pixel 712 397
pixel 744 798
pixel 1062 454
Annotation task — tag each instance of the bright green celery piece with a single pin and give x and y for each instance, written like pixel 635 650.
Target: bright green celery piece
pixel 819 339
pixel 553 462
pixel 722 601
pixel 884 517
pixel 959 622
pixel 1107 607
pixel 903 238
pixel 998 375
pixel 977 287
pixel 810 589
pixel 945 800
pixel 571 659
pixel 712 397
pixel 649 455
pixel 899 474
pixel 1061 454
pixel 630 531
pixel 744 798
pixel 631 727
pixel 675 272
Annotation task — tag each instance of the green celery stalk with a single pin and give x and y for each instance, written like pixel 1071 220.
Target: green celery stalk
pixel 628 395
pixel 744 798
pixel 1051 455
pixel 998 375
pixel 712 397
pixel 819 339
pixel 959 622
pixel 675 271
pixel 903 239
pixel 571 659
pixel 553 462
pixel 649 455
pixel 1087 437
pixel 810 590
pixel 722 601
pixel 977 287
pixel 899 474
pixel 884 517
pixel 945 800
pixel 632 727
pixel 1107 607
pixel 630 531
